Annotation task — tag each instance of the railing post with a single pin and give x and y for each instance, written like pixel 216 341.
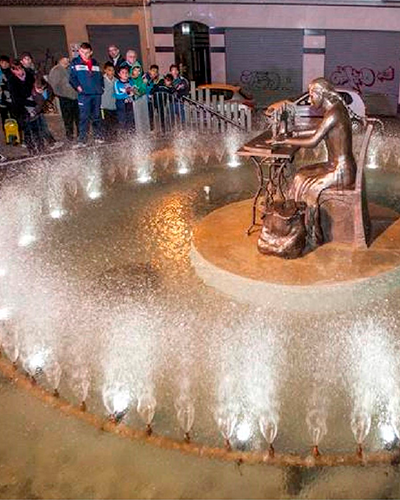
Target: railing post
pixel 228 114
pixel 208 104
pixel 221 105
pixel 248 116
pixel 193 90
pixel 235 112
pixel 201 113
pixel 214 119
pixel 242 118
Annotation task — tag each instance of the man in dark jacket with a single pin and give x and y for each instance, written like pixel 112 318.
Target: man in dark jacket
pixel 20 85
pixel 27 62
pixel 115 56
pixel 87 79
pixel 5 98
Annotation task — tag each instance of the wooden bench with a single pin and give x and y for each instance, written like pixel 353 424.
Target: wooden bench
pixel 344 213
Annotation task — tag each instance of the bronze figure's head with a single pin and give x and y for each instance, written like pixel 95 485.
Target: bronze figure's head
pixel 320 89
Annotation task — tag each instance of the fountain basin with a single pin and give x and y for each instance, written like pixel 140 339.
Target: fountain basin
pixel 226 258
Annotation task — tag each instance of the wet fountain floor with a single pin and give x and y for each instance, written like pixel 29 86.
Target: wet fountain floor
pixel 110 293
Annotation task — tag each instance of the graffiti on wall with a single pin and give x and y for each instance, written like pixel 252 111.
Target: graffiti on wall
pixel 265 80
pixel 359 78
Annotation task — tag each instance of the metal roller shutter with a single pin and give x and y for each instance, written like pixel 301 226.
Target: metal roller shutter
pixel 368 61
pixel 125 37
pixel 267 62
pixel 45 43
pixel 6 47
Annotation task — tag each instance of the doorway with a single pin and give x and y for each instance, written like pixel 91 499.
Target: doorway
pixel 192 51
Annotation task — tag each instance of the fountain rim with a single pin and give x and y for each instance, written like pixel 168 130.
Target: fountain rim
pixel 316 459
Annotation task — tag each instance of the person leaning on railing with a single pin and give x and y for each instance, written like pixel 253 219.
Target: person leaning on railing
pixel 141 109
pixel 163 100
pixel 152 79
pixel 182 89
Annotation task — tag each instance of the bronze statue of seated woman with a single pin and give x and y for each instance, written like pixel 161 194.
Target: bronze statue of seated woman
pixel 340 168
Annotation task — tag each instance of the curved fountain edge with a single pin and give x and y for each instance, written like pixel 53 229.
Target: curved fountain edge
pixel 20 380
pixel 292 297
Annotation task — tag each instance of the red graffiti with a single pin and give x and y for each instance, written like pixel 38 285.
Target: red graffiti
pixel 358 78
pixel 387 75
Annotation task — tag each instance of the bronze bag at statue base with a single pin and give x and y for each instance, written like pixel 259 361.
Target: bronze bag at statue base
pixel 284 232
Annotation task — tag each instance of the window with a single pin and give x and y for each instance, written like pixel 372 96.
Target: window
pixel 45 43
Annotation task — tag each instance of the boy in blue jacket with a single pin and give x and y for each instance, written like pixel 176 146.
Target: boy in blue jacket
pixel 87 79
pixel 124 95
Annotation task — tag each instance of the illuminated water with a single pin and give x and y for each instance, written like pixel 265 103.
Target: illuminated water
pixel 98 290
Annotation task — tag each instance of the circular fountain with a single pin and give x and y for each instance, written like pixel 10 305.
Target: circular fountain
pixel 104 317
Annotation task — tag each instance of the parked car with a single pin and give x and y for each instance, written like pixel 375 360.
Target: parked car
pixel 231 93
pixel 304 110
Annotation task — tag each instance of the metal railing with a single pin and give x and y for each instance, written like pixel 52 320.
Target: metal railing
pixel 200 112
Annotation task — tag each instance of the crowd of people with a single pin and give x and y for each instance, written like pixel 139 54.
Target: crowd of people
pixel 119 96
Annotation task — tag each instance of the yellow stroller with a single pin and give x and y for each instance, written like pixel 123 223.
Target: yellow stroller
pixel 11 131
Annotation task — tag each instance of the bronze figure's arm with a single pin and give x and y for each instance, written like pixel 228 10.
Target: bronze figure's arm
pixel 303 133
pixel 315 138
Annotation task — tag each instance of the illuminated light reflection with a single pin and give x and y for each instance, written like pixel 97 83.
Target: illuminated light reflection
pixel 26 239
pixel 37 360
pixel 93 195
pixel 243 431
pixel 3 272
pixel 387 433
pixel 144 178
pixel 185 29
pixel 5 313
pixel 121 402
pixel 183 169
pixel 35 363
pixel 373 164
pixel 93 187
pixel 174 241
pixel 57 213
pixel 233 162
pixel 116 400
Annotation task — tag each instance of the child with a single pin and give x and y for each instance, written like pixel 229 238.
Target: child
pixel 123 93
pixel 152 78
pixel 182 88
pixel 108 106
pixel 140 101
pixel 34 128
pixel 163 102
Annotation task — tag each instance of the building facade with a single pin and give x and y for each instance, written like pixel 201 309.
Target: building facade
pixel 47 28
pixel 273 49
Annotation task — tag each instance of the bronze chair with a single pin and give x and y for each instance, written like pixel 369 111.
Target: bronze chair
pixel 344 213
